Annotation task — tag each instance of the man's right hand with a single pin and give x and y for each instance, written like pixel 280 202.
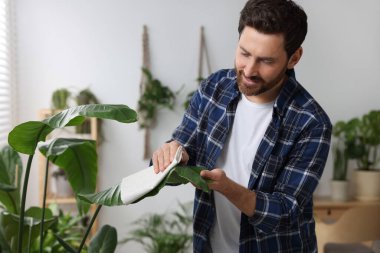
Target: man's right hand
pixel 163 156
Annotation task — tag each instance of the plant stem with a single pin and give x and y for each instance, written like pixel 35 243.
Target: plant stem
pixel 44 206
pixel 23 200
pixel 89 228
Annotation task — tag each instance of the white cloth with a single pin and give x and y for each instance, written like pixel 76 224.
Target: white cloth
pixel 140 183
pixel 250 123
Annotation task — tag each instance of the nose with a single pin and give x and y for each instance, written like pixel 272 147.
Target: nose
pixel 251 68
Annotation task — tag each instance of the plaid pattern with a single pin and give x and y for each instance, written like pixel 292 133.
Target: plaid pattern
pixel 287 167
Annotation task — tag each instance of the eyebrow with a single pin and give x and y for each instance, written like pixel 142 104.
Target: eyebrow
pixel 258 58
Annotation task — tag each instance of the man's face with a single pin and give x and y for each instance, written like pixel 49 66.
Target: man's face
pixel 261 62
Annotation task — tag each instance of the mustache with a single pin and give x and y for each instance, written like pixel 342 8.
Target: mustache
pixel 254 78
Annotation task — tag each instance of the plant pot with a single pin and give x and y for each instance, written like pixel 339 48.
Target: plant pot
pixel 367 184
pixel 339 190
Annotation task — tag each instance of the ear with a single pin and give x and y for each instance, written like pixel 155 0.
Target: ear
pixel 296 56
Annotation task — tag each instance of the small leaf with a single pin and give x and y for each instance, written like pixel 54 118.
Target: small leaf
pixel 105 240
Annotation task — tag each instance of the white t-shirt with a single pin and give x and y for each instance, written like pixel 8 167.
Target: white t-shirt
pixel 250 123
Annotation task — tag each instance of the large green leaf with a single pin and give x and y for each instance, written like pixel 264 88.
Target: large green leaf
pixel 178 175
pixel 105 240
pixel 10 179
pixel 78 158
pixel 24 137
pixel 110 197
pixel 9 224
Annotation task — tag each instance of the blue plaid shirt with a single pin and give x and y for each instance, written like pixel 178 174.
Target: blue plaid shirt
pixel 287 167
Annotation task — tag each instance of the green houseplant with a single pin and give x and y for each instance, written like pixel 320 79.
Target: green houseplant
pixel 60 98
pixel 361 138
pixel 84 97
pixel 155 96
pixel 168 232
pixel 20 229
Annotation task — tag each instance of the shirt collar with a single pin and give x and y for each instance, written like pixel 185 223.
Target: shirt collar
pixel 287 92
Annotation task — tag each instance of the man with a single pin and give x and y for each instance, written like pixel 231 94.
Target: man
pixel 262 138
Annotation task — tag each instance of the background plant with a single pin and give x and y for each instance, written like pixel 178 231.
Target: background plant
pixel 60 99
pixel 163 233
pixel 155 96
pixel 361 138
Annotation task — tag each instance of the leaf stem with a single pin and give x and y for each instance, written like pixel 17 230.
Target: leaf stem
pixel 23 200
pixel 44 206
pixel 89 228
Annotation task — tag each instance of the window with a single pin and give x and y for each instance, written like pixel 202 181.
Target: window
pixel 6 77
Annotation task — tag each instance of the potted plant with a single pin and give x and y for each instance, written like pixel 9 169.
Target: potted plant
pixel 60 98
pixel 84 97
pixel 21 229
pixel 154 97
pixel 361 137
pixel 168 232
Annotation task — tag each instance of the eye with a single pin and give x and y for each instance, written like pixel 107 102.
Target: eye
pixel 245 54
pixel 267 61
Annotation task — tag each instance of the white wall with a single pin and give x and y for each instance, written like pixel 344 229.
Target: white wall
pixel 81 43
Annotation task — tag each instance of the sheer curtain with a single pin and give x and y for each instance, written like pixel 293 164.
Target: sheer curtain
pixel 6 72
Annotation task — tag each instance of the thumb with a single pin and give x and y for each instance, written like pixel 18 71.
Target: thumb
pixel 206 174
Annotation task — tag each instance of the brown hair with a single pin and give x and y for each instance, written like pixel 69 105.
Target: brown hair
pixel 276 16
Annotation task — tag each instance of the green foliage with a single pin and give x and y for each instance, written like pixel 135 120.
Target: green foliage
pixel 10 180
pixel 178 175
pixel 155 96
pixel 20 230
pixel 340 161
pixel 361 138
pixel 85 97
pixel 24 137
pixel 104 241
pixel 163 233
pixel 59 99
pixel 78 158
pixel 68 226
pixel 9 224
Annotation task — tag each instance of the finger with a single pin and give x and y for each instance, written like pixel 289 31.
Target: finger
pixel 173 150
pixel 166 158
pixel 206 174
pixel 160 159
pixel 185 157
pixel 156 168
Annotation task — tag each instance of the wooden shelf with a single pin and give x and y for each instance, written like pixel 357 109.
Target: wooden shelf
pixel 328 210
pixel 60 200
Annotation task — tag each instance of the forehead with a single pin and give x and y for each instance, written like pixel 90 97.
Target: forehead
pixel 261 44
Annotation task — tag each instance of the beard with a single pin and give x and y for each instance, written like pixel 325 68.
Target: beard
pixel 261 85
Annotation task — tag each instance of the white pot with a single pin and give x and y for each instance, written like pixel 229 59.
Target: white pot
pixel 367 183
pixel 339 190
